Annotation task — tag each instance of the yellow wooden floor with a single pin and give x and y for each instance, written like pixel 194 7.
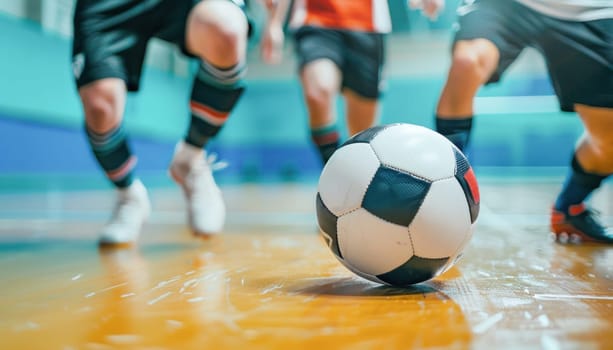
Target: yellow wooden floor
pixel 269 282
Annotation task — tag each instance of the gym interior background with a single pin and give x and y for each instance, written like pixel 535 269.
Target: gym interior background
pixel 518 124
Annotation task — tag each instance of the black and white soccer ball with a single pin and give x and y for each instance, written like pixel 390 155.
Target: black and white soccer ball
pixel 397 204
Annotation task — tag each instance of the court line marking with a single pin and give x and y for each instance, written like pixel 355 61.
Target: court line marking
pixel 16 218
pixel 488 323
pixel 571 296
pixel 155 300
pixel 91 294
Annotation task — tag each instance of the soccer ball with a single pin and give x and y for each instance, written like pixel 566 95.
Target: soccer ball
pixel 397 204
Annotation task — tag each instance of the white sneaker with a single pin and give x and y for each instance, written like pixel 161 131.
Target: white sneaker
pixel 206 210
pixel 131 212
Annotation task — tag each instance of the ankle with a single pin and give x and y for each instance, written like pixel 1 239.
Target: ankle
pixel 186 153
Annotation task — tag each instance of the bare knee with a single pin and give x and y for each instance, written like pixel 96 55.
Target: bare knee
pixel 474 60
pixel 319 94
pixel 230 36
pixel 465 65
pixel 321 81
pixel 217 32
pixel 103 105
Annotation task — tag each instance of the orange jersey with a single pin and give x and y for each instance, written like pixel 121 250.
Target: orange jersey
pixel 358 15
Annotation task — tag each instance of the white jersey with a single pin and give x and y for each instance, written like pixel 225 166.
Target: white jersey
pixel 572 10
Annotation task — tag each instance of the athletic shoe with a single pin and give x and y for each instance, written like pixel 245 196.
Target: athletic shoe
pixel 579 224
pixel 191 169
pixel 131 211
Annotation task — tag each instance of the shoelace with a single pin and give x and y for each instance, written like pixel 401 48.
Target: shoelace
pixel 199 173
pixel 210 161
pixel 214 163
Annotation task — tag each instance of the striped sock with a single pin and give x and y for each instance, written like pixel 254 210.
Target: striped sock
pixel 326 138
pixel 215 92
pixel 456 130
pixel 113 153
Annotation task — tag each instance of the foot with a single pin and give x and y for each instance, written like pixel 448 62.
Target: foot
pixel 206 210
pixel 579 224
pixel 131 212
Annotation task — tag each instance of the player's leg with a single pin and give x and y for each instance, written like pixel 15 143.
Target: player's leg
pixel 578 55
pixel 591 164
pixel 595 149
pixel 472 64
pixel 103 103
pixel 362 76
pixel 320 76
pixel 486 43
pixel 320 81
pixel 362 112
pixel 217 33
pixel 101 74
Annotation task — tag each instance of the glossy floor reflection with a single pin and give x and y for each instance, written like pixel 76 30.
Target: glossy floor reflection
pixel 269 282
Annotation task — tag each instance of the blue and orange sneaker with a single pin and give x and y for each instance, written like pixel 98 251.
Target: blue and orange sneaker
pixel 580 224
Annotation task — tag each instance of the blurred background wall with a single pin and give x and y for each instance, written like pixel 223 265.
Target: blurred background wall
pixel 266 139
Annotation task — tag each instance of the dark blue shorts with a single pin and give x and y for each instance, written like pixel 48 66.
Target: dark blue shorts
pixel 111 36
pixel 579 55
pixel 358 55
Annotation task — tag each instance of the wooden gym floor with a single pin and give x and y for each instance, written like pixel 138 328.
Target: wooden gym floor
pixel 269 282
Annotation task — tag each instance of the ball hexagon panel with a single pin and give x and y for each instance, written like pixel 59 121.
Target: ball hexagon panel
pixel 345 178
pixel 414 270
pixel 372 245
pixel 367 135
pixel 468 180
pixel 395 196
pixel 415 149
pixel 443 221
pixel 327 225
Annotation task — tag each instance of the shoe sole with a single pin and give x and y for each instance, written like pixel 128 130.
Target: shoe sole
pixel 124 244
pixel 565 233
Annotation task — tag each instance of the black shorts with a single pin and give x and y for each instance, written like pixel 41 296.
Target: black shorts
pixel 111 36
pixel 359 56
pixel 579 55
